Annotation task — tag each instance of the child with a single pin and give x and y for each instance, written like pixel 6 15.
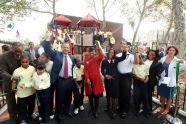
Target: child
pixel 25 91
pixel 41 82
pixel 78 86
pixel 140 91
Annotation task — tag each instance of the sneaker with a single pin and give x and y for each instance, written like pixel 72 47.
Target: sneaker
pixel 52 116
pixel 23 122
pixel 81 108
pixel 40 118
pixel 34 115
pixel 76 111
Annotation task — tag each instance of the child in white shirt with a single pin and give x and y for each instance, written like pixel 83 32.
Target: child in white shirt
pixel 25 90
pixel 41 82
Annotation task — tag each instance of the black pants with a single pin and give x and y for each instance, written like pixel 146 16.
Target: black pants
pixel 150 90
pixel 125 82
pixel 78 96
pixel 25 107
pixel 52 90
pixel 44 108
pixel 140 96
pixel 107 87
pixel 63 95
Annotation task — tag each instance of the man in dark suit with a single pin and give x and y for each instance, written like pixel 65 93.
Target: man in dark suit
pixel 61 75
pixel 9 61
pixel 33 52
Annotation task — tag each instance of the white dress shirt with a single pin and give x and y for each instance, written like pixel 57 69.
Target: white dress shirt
pixel 61 73
pixel 49 66
pixel 126 65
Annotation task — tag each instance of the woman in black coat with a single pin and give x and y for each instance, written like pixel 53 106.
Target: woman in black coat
pixel 154 68
pixel 110 72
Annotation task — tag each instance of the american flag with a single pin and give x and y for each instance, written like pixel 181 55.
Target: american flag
pixel 17 34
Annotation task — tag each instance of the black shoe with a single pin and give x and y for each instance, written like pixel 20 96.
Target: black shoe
pixel 69 115
pixel 112 115
pixel 137 114
pixel 58 120
pixel 106 109
pixel 96 115
pixel 123 115
pixel 150 114
pixel 146 115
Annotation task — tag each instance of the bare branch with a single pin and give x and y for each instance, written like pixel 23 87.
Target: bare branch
pixel 47 3
pixel 94 4
pixel 110 5
pixel 138 7
pixel 106 3
pixel 40 11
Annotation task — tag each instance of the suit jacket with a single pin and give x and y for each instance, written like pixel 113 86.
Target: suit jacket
pixel 154 71
pixel 36 52
pixel 57 58
pixel 8 63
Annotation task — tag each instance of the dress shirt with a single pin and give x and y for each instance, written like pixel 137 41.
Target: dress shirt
pixel 126 65
pixel 49 66
pixel 61 73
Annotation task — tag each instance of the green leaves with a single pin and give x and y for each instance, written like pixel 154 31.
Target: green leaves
pixel 11 9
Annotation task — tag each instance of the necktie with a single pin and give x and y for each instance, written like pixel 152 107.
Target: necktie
pixel 66 67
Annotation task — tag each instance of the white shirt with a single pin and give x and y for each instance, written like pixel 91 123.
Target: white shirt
pixel 78 72
pixel 148 63
pixel 41 50
pixel 61 73
pixel 172 71
pixel 126 65
pixel 41 82
pixel 49 66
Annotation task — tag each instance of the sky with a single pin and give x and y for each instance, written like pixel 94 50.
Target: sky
pixel 32 27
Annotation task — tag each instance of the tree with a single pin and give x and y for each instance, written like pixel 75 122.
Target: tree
pixel 166 12
pixel 179 26
pixel 103 7
pixel 137 11
pixel 12 9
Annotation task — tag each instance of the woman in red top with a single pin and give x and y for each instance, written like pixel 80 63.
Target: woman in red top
pixel 93 86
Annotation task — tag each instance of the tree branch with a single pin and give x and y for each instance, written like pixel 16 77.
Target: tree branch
pixel 138 6
pixel 47 3
pixel 39 11
pixel 106 3
pixel 94 4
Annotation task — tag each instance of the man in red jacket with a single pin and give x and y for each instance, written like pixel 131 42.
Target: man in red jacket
pixel 94 86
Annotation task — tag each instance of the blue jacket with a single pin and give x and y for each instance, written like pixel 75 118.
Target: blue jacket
pixel 57 58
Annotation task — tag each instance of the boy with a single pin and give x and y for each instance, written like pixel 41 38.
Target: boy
pixel 140 78
pixel 78 86
pixel 41 82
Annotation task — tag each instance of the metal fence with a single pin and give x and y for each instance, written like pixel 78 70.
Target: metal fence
pixel 2 98
pixel 182 96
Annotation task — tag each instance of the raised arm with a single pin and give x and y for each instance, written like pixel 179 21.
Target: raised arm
pixel 47 45
pixel 123 57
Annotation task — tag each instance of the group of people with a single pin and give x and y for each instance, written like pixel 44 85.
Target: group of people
pixel 41 77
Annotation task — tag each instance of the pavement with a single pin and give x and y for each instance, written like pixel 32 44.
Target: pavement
pixel 85 117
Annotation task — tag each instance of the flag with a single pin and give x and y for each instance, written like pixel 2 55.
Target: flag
pixel 17 34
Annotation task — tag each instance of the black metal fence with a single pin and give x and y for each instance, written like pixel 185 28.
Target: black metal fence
pixel 182 96
pixel 2 98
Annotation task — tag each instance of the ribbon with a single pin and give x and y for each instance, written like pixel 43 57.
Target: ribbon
pixel 177 76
